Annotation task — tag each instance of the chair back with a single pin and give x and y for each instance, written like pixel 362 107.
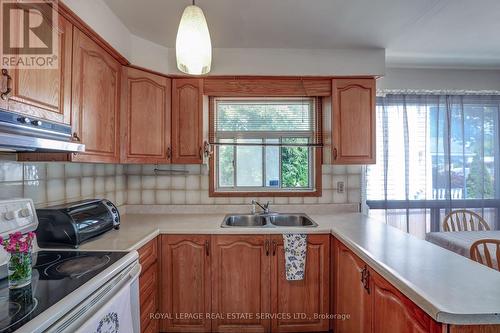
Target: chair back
pixel 464 220
pixel 486 252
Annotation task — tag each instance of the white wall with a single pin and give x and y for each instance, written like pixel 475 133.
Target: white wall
pixel 147 54
pixel 440 79
pixel 232 61
pixel 100 18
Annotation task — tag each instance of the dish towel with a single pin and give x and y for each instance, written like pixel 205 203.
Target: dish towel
pixel 295 256
pixel 114 316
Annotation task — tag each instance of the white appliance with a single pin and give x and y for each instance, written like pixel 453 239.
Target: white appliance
pixel 70 290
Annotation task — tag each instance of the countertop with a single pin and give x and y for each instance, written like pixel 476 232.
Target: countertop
pixel 450 288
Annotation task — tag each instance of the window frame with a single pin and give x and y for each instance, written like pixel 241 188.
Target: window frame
pixel 315 159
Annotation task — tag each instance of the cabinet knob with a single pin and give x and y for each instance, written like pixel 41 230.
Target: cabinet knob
pixel 76 137
pixel 334 154
pixel 169 153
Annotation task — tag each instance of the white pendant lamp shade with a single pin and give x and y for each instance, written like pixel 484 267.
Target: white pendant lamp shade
pixel 193 47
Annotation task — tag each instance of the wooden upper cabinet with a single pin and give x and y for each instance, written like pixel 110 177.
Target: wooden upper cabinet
pixel 309 296
pixel 186 282
pixel 145 117
pixel 187 121
pixel 394 312
pixel 353 121
pixel 240 282
pixel 95 100
pixel 350 295
pixel 43 93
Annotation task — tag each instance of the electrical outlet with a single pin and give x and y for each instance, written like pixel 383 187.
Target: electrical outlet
pixel 340 187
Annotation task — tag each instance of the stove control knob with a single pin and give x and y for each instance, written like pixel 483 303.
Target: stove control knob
pixel 36 123
pixel 24 120
pixel 25 212
pixel 10 215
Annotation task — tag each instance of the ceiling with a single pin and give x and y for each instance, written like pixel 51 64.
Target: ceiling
pixel 415 33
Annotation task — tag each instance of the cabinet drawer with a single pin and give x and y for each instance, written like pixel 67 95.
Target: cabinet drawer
pixel 152 327
pixel 148 283
pixel 148 254
pixel 150 305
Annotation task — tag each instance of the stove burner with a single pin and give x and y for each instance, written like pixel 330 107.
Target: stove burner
pixel 14 309
pixel 77 266
pixel 46 258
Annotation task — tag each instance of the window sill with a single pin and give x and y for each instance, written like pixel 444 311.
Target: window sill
pixel 226 194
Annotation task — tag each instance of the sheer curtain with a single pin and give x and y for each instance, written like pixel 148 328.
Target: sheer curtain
pixel 435 153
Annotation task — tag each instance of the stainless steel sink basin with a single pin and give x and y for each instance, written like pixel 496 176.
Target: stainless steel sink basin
pixel 291 220
pixel 272 220
pixel 245 220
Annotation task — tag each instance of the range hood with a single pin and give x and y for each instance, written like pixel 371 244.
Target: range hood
pixel 20 133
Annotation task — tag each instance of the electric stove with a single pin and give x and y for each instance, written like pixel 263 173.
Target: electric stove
pixel 56 274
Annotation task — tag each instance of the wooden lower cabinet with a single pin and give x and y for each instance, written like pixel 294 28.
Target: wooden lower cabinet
pixel 350 297
pixel 373 304
pixel 304 304
pixel 241 283
pixel 186 283
pixel 394 312
pixel 148 286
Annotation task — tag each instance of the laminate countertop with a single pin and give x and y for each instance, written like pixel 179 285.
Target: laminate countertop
pixel 450 288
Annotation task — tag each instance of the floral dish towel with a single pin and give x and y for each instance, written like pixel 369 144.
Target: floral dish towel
pixel 295 256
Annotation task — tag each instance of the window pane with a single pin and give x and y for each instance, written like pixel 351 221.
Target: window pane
pixel 272 164
pixel 295 164
pixel 226 166
pixel 249 164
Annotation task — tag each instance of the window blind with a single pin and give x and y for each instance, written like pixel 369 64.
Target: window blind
pixel 265 118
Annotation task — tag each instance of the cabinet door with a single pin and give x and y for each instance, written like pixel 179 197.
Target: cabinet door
pixel 394 312
pixel 95 100
pixel 353 127
pixel 351 298
pixel 241 283
pixel 187 121
pixel 185 284
pixel 145 117
pixel 44 93
pixel 310 296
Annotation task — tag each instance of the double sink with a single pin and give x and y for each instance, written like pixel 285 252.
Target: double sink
pixel 269 220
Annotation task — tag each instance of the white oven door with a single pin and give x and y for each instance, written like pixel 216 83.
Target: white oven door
pixel 114 308
pixel 115 316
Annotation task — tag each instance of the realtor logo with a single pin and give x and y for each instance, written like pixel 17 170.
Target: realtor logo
pixel 29 34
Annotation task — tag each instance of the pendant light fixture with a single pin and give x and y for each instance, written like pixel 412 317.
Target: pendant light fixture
pixel 193 48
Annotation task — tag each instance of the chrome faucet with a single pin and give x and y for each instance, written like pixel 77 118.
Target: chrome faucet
pixel 265 208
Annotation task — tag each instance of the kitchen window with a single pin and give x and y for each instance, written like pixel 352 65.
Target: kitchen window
pixel 265 145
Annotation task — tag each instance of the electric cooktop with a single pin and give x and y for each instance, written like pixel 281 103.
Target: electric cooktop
pixel 55 275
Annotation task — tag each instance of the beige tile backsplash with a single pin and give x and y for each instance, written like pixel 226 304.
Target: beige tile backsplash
pixel 144 187
pixel 55 183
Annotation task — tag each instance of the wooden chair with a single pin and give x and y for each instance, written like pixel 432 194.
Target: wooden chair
pixel 464 220
pixel 486 244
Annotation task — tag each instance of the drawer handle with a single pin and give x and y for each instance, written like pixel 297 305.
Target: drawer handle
pixel 207 248
pixel 274 247
pixel 169 153
pixel 334 154
pixel 267 247
pixel 5 94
